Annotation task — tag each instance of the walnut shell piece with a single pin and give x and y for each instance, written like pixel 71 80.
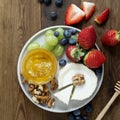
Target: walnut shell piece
pixel 53 84
pixel 51 102
pixel 78 79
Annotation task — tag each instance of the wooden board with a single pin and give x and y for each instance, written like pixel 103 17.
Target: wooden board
pixel 19 20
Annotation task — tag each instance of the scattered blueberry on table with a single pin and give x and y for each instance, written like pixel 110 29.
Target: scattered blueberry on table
pixel 88 108
pixel 78 118
pixel 71 116
pixel 47 2
pixel 41 1
pixel 77 114
pixel 58 3
pixel 85 117
pixel 53 15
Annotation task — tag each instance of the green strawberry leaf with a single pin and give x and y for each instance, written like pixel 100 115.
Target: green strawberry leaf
pixel 78 53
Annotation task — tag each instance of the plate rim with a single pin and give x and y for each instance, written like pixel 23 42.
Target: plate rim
pixel 22 86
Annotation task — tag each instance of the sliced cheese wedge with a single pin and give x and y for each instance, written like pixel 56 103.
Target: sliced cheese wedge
pixel 64 95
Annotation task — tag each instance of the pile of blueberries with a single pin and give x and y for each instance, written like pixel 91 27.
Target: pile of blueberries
pixel 58 3
pixel 77 115
pixel 70 37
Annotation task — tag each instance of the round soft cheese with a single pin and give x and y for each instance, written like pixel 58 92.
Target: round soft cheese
pixel 83 91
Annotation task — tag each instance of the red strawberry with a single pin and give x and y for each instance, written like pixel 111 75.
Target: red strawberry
pixel 111 38
pixel 87 37
pixel 73 15
pixel 88 8
pixel 103 16
pixel 94 59
pixel 74 53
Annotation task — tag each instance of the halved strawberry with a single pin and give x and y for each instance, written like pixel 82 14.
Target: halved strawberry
pixel 73 15
pixel 94 59
pixel 111 38
pixel 74 53
pixel 88 8
pixel 103 16
pixel 87 37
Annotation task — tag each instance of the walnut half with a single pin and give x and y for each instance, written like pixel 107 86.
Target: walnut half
pixel 78 79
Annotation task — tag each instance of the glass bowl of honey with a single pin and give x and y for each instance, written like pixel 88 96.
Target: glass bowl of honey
pixel 39 66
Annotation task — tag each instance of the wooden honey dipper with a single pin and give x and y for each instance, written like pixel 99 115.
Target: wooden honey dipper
pixel 116 94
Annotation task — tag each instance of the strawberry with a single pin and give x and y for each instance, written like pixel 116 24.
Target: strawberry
pixel 103 16
pixel 73 15
pixel 94 59
pixel 88 8
pixel 74 53
pixel 87 37
pixel 111 38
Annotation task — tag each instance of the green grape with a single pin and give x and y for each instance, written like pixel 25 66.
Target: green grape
pixel 74 37
pixel 51 40
pixel 49 32
pixel 47 47
pixel 33 45
pixel 58 50
pixel 61 31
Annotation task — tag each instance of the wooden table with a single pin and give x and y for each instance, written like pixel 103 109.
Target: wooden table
pixel 19 20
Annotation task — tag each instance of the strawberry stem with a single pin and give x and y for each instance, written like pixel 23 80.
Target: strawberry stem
pixel 78 53
pixel 77 45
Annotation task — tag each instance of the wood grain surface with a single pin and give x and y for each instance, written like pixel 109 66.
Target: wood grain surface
pixel 19 20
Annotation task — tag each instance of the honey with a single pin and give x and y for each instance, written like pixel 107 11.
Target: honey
pixel 39 66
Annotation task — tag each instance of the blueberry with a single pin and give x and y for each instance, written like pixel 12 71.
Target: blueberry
pixel 53 15
pixel 64 41
pixel 78 118
pixel 75 37
pixel 72 41
pixel 88 108
pixel 41 1
pixel 56 33
pixel 67 34
pixel 47 2
pixel 73 31
pixel 62 62
pixel 85 117
pixel 71 117
pixel 76 112
pixel 58 3
pixel 98 72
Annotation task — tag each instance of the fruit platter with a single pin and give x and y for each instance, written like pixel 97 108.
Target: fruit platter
pixel 61 68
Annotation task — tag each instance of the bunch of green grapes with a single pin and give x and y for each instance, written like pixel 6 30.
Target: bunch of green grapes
pixel 52 39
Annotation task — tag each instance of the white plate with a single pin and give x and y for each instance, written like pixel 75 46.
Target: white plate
pixel 59 107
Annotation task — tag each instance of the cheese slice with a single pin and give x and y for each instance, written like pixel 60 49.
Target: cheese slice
pixel 64 95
